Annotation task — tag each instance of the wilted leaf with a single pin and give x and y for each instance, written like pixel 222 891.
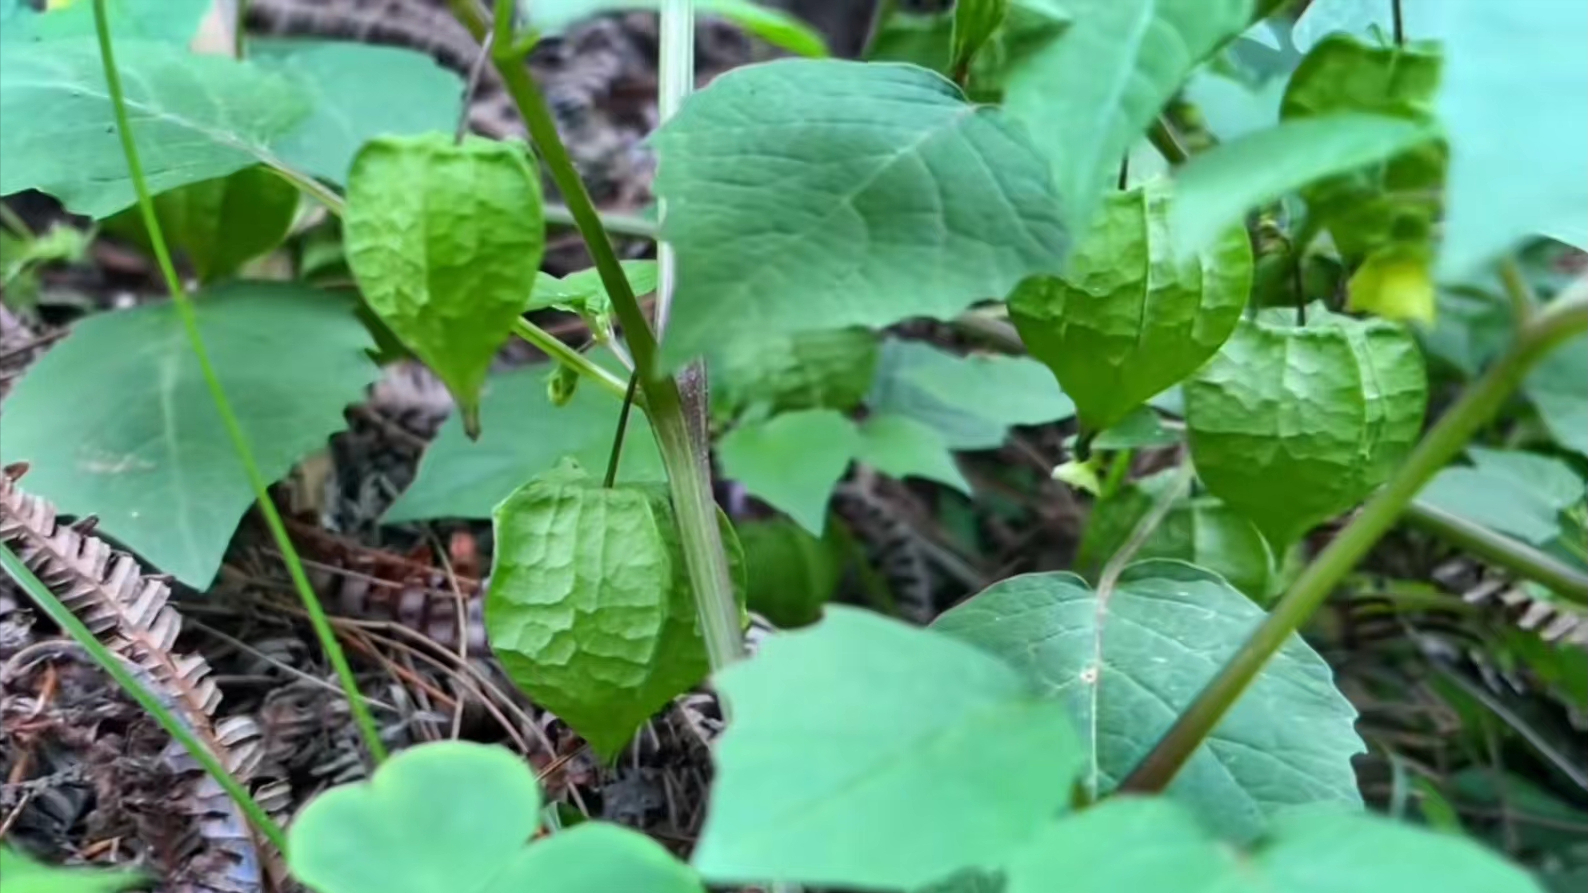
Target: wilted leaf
pixel 1311 851
pixel 1220 185
pixel 791 461
pixel 143 447
pixel 952 393
pixel 1512 105
pixel 445 240
pixel 220 224
pixel 524 436
pixel 194 117
pixel 457 817
pixel 821 194
pixel 1398 199
pixel 590 608
pixel 358 92
pixel 798 796
pixel 1089 95
pixel 1131 315
pixel 1292 425
pixel 1394 283
pixel 822 369
pixel 1128 665
pixel 790 573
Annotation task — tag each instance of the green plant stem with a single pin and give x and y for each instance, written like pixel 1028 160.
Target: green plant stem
pixel 1524 303
pixel 679 438
pixel 1514 555
pixel 1163 138
pixel 553 347
pixel 223 406
pixel 13 221
pixel 180 731
pixel 239 32
pixel 1564 318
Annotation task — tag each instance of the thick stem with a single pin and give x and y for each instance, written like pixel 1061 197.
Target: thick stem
pixel 1566 317
pixel 1515 556
pixel 223 406
pixel 688 472
pixel 179 731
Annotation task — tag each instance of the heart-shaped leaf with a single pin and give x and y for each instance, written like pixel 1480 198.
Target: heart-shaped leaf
pixel 1132 315
pixel 143 447
pixel 1397 199
pixel 1291 425
pixel 590 608
pixel 864 752
pixel 457 817
pixel 1089 95
pixel 1128 662
pixel 445 240
pixel 815 194
pixel 1159 846
pixel 194 117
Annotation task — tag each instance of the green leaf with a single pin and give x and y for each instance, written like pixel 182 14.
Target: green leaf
pixel 773 25
pixel 902 447
pixel 582 292
pixel 1312 851
pixel 142 445
pixel 975 21
pixel 457 817
pixel 358 92
pixel 1421 20
pixel 219 224
pixel 1515 166
pixel 952 393
pixel 1088 96
pixel 445 239
pixel 524 435
pixel 1217 187
pixel 1558 389
pixel 821 369
pixel 1231 108
pixel 1141 429
pixel 169 21
pixel 194 117
pixel 791 574
pixel 590 608
pixel 23 875
pixel 1292 426
pixel 799 796
pixel 1518 494
pixel 1200 530
pixel 1396 200
pixel 1395 283
pixel 1128 664
pixel 821 194
pixel 1131 315
pixel 792 460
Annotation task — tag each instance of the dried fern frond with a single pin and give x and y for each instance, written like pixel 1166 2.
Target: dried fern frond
pixel 130 612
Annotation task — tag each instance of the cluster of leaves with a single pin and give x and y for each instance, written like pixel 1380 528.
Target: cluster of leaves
pixel 811 203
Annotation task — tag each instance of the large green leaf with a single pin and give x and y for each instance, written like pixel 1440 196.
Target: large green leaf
pixel 1132 315
pixel 821 369
pixel 792 461
pixel 446 239
pixel 771 24
pixel 23 875
pixel 358 92
pixel 138 441
pixel 590 608
pixel 457 817
pixel 1292 425
pixel 1513 102
pixel 219 224
pixel 810 194
pixel 169 21
pixel 1366 18
pixel 1519 494
pixel 1558 388
pixel 1089 95
pixel 524 435
pixel 1128 662
pixel 1152 844
pixel 1200 530
pixel 970 400
pixel 1397 199
pixel 194 117
pixel 866 753
pixel 790 573
pixel 1220 185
